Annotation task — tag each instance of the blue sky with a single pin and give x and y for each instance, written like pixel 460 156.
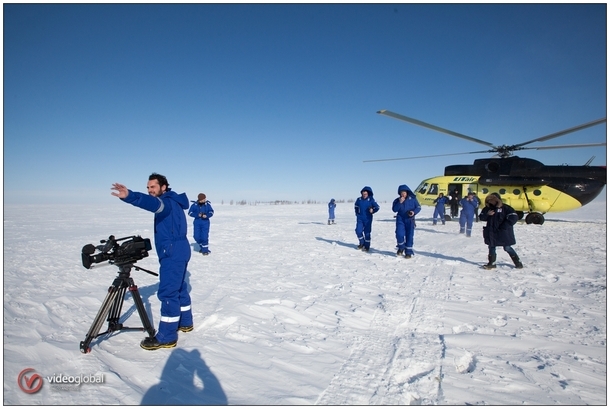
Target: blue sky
pixel 278 102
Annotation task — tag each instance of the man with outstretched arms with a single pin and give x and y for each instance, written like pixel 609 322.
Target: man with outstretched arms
pixel 174 253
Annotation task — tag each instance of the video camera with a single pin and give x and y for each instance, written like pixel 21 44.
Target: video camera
pixel 127 252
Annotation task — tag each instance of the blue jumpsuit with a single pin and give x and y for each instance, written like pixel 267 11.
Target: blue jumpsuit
pixel 405 222
pixel 365 208
pixel 331 211
pixel 174 253
pixel 439 208
pixel 469 209
pixel 201 225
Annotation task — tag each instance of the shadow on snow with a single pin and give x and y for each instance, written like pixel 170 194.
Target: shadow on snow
pixel 186 380
pixel 392 254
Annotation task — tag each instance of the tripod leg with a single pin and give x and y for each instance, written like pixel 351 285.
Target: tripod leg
pixel 137 299
pixel 115 311
pixel 99 319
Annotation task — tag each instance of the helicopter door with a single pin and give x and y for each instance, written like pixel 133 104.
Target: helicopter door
pixel 452 191
pixel 462 189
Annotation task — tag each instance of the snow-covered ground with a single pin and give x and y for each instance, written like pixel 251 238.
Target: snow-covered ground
pixel 288 311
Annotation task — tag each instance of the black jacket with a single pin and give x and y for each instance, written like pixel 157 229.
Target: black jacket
pixel 499 229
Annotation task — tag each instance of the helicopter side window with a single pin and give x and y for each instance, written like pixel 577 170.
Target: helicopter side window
pixel 492 167
pixel 485 190
pixel 516 192
pixel 502 191
pixel 537 192
pixel 422 188
pixel 433 189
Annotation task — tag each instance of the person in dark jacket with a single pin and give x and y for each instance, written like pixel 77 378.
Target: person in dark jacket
pixel 331 211
pixel 499 231
pixel 454 202
pixel 202 210
pixel 365 206
pixel 470 206
pixel 174 253
pixel 439 208
pixel 406 207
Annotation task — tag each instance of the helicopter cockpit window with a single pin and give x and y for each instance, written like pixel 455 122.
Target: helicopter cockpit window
pixel 433 189
pixel 422 188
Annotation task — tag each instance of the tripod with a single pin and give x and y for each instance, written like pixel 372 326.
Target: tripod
pixel 112 305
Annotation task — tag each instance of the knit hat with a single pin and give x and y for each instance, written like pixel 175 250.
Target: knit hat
pixel 200 197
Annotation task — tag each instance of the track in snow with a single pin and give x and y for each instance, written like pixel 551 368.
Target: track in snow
pixel 402 366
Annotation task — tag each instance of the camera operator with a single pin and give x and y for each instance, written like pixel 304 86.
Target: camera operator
pixel 174 252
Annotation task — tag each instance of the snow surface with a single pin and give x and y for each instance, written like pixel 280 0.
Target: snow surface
pixel 288 311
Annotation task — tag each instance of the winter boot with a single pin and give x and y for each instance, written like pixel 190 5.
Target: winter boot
pixel 517 262
pixel 151 343
pixel 491 263
pixel 399 252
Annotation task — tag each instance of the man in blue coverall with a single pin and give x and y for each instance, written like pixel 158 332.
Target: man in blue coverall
pixel 406 207
pixel 201 211
pixel 174 253
pixel 365 206
pixel 470 205
pixel 439 208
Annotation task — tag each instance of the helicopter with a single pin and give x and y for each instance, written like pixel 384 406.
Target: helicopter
pixel 525 184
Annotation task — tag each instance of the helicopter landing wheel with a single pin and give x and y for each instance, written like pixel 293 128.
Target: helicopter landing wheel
pixel 534 218
pixel 520 215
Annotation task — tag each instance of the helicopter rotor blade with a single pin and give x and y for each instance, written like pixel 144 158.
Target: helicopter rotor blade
pixel 427 156
pixel 590 160
pixel 433 127
pixel 578 145
pixel 564 132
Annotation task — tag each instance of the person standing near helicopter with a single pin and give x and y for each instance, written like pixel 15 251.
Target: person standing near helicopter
pixel 439 208
pixel 499 230
pixel 470 205
pixel 454 201
pixel 406 207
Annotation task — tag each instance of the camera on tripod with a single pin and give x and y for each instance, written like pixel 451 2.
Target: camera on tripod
pixel 123 253
pixel 127 252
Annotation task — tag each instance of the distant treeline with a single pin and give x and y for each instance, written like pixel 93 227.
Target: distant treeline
pixel 281 202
